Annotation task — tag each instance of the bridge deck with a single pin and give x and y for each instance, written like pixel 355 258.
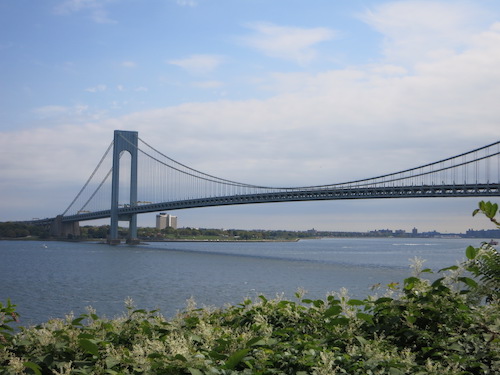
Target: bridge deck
pixel 465 190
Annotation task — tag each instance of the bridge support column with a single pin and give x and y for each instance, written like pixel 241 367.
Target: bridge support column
pixel 132 231
pixel 123 141
pixel 64 230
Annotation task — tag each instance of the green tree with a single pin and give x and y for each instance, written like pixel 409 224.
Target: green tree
pixel 484 261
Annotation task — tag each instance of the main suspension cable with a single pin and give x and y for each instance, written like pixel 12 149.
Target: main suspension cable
pixel 89 179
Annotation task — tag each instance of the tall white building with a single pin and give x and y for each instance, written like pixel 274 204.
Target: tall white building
pixel 164 220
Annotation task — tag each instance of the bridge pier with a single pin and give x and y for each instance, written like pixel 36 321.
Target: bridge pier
pixel 124 141
pixel 60 229
pixel 132 231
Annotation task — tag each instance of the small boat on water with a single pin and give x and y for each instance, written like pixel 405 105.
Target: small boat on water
pixel 493 242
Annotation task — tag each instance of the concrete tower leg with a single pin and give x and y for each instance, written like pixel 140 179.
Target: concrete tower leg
pixel 123 141
pixel 60 229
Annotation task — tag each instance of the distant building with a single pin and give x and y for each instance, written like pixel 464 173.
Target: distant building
pixel 414 231
pixel 483 233
pixel 164 220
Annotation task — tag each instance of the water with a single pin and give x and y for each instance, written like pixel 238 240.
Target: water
pixel 49 280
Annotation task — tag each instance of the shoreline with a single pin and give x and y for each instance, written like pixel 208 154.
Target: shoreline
pixel 103 240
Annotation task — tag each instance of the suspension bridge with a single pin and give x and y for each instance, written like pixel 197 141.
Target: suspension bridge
pixel 133 178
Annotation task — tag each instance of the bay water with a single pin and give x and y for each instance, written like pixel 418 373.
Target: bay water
pixel 52 279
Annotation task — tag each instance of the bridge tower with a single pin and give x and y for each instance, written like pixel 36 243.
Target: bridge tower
pixel 124 141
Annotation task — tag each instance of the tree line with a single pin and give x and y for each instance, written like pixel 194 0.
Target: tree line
pixel 20 230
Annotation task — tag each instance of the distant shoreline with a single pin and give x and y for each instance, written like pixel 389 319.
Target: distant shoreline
pixel 102 240
pixel 142 241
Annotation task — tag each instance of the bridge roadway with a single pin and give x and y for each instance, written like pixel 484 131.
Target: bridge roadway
pixel 292 195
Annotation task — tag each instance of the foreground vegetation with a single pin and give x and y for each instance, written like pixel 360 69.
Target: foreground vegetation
pixel 448 326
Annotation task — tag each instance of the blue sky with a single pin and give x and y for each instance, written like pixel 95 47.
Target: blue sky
pixel 277 93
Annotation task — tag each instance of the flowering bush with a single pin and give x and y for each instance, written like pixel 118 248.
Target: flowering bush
pixel 423 327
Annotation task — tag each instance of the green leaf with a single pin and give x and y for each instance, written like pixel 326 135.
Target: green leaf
pixel 366 317
pixel 34 367
pixel 411 319
pixel 256 341
pixel 180 357
pixel 463 307
pixel 437 282
pixel 216 355
pixel 455 347
pixel 361 340
pixel 88 346
pixel 111 362
pixel 236 358
pixel 77 321
pixel 156 355
pixel 332 300
pixel 340 321
pixel 410 282
pixel 487 208
pixel 355 302
pixel 192 321
pixel 334 310
pixel 451 268
pixel 194 371
pixel 491 210
pixel 467 280
pixel 383 300
pixel 471 252
pixel 86 336
pixel 318 303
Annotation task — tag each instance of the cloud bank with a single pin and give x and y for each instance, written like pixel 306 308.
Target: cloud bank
pixel 432 93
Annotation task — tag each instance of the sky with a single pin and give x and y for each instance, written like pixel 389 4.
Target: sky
pixel 266 92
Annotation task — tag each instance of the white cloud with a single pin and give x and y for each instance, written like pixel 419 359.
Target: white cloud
pixel 95 7
pixel 343 124
pixel 422 29
pixel 73 115
pixel 99 88
pixel 51 111
pixel 188 3
pixel 289 43
pixel 332 126
pixel 198 64
pixel 46 155
pixel 122 88
pixel 129 64
pixel 208 84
